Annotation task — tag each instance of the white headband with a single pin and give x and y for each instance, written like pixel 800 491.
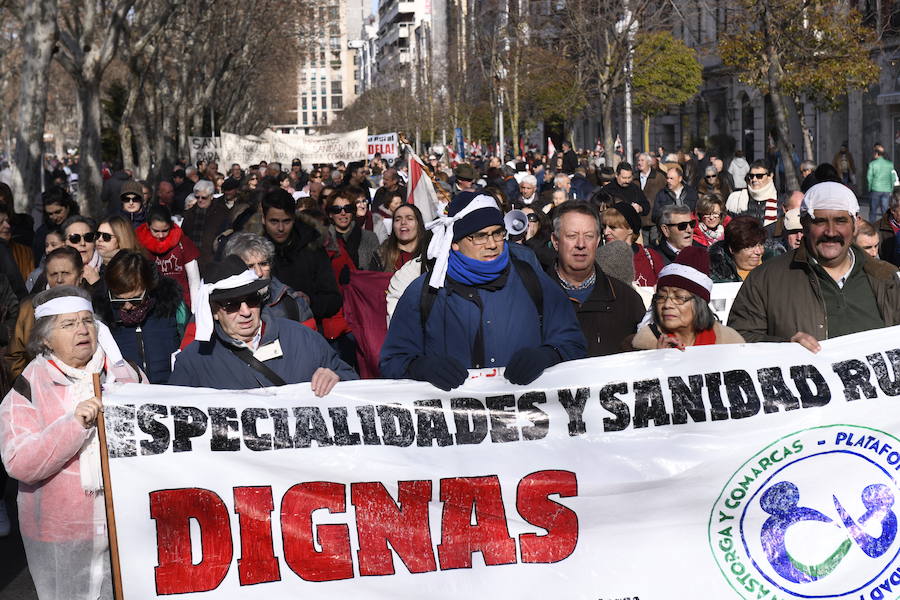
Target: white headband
pixel 829 195
pixel 689 273
pixel 442 237
pixel 65 305
pixel 203 312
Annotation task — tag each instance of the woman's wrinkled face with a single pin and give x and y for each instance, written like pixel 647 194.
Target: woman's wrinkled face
pixel 81 237
pixel 61 271
pixel 713 219
pixel 749 258
pixel 675 308
pixel 106 249
pixel 258 263
pixel 74 338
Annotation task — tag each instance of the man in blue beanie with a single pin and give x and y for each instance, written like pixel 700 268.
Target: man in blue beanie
pixel 478 307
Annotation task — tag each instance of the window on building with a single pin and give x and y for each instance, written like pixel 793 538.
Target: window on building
pixel 315 118
pixel 337 102
pixel 324 103
pixel 303 102
pixel 324 118
pixel 356 74
pixel 305 119
pixel 336 87
pixel 314 103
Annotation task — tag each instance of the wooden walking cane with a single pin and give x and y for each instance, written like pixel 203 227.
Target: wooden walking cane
pixel 108 498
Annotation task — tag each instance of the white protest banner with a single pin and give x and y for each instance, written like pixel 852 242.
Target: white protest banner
pixel 720 299
pixel 280 147
pixel 204 148
pixel 384 144
pixel 757 471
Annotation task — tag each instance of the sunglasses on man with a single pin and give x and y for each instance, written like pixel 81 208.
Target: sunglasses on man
pixel 89 237
pixel 683 225
pixel 234 305
pixel 347 208
pixel 756 176
pixel 130 198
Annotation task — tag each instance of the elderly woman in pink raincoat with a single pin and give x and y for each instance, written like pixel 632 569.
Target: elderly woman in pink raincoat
pixel 49 443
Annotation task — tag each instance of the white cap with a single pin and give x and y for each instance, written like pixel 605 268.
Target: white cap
pixel 792 220
pixel 829 195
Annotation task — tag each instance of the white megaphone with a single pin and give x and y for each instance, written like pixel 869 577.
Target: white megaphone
pixel 516 222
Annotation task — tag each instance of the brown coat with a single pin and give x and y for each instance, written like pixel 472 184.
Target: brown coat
pixel 782 296
pixel 645 340
pixel 17 357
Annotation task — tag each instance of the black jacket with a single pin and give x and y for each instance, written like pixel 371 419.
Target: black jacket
pixel 302 264
pixel 631 194
pixel 665 197
pixel 610 314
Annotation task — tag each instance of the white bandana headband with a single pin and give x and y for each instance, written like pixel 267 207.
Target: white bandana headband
pixel 442 237
pixel 829 195
pixel 72 304
pixel 203 312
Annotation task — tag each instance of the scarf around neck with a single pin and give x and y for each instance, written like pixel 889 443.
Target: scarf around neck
pixel 82 388
pixel 154 245
pixel 471 271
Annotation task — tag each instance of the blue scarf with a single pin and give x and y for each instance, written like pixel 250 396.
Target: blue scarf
pixel 471 271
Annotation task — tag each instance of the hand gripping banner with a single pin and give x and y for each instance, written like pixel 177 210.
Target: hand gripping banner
pixel 760 471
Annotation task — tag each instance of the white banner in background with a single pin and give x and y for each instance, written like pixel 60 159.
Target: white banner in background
pixel 384 144
pixel 204 148
pixel 280 147
pixel 754 471
pixel 720 299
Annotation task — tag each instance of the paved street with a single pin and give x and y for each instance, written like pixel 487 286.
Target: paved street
pixel 15 582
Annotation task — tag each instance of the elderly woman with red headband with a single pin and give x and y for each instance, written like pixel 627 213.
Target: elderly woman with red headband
pixel 49 443
pixel 680 313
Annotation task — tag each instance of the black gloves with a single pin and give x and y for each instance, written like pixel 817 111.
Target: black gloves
pixel 442 372
pixel 527 364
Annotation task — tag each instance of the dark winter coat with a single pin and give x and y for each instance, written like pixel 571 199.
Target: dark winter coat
pixel 285 303
pixel 112 189
pixel 301 263
pixel 888 249
pixel 631 194
pixel 687 197
pixel 212 364
pixel 150 345
pixel 610 314
pixel 215 220
pixel 501 313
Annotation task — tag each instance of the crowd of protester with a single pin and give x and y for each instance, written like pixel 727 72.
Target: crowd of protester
pixel 264 274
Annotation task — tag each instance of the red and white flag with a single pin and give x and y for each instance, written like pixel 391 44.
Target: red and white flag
pixel 551 149
pixel 420 189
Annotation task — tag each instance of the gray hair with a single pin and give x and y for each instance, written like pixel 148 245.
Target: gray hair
pixel 188 171
pixel 529 179
pixel 582 208
pixel 204 185
pixel 670 211
pixel 704 318
pixel 242 243
pixel 646 156
pixel 91 223
pixel 560 177
pixel 807 165
pixel 43 327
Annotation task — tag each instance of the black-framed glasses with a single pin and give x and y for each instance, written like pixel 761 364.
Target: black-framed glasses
pixel 75 238
pixel 130 198
pixel 233 306
pixel 683 225
pixel 711 176
pixel 134 300
pixel 532 218
pixel 756 175
pixel 106 237
pixel 347 209
pixel 675 298
pixel 481 238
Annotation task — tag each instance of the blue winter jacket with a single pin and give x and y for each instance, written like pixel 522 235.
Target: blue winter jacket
pixel 509 320
pixel 211 364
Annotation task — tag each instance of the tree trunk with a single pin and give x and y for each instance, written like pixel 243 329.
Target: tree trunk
pixel 647 135
pixel 90 183
pixel 38 39
pixel 774 75
pixel 808 153
pixel 606 119
pixel 125 149
pixel 142 141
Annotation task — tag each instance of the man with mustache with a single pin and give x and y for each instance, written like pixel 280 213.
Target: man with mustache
pixel 825 288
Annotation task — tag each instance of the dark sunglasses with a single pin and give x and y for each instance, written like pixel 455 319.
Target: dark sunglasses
pixel 232 306
pixel 106 237
pixel 135 300
pixel 130 198
pixel 89 237
pixel 684 225
pixel 756 175
pixel 532 218
pixel 347 208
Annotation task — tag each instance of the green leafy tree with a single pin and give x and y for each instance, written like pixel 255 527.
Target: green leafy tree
pixel 800 49
pixel 670 74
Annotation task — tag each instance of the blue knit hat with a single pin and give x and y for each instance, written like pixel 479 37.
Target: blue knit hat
pixel 474 221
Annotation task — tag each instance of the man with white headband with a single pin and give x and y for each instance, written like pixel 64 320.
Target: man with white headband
pixel 479 307
pixel 239 346
pixel 826 287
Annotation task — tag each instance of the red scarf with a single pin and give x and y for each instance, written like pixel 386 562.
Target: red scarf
pixel 155 246
pixel 707 337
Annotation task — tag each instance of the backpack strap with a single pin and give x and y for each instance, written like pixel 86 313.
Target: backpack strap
pixel 246 356
pixel 137 370
pixel 22 387
pixel 532 285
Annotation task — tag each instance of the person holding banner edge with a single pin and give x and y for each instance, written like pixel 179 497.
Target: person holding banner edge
pixel 239 346
pixel 49 442
pixel 478 307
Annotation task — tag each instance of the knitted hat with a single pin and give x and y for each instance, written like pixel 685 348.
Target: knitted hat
pixel 631 216
pixel 617 260
pixel 829 195
pixel 475 220
pixel 690 272
pixel 792 221
pixel 131 188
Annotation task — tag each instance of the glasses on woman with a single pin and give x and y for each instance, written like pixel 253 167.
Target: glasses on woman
pixel 532 218
pixel 481 238
pixel 676 299
pixel 131 198
pixel 120 301
pixel 89 237
pixel 102 235
pixel 712 215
